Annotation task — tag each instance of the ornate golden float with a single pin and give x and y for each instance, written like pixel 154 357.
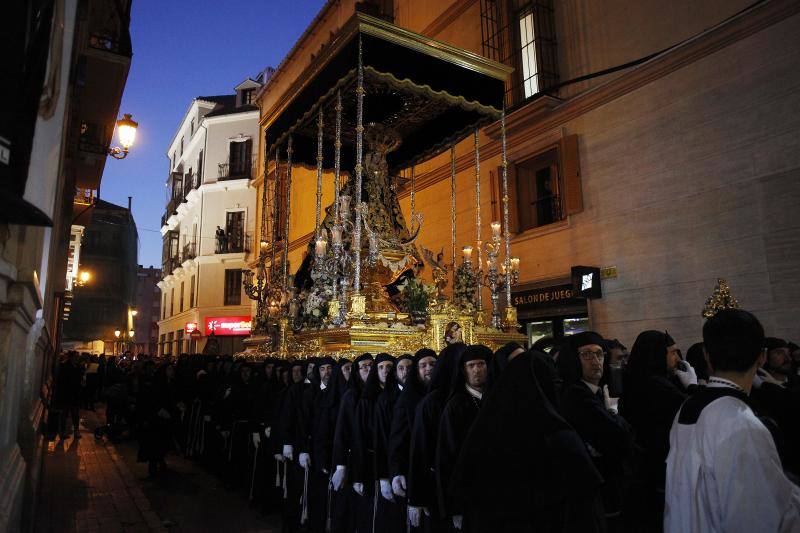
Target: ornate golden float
pixel 358 289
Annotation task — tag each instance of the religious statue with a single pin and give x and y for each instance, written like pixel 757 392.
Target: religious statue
pixel 439 269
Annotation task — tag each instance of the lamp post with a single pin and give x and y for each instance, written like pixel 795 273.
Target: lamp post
pixel 117 333
pixel 126 132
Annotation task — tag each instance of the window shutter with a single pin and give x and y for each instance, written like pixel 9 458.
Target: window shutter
pixel 248 156
pixel 571 175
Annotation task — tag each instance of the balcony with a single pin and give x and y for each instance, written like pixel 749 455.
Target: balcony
pixel 236 171
pixel 190 183
pixel 189 251
pixel 169 265
pixel 234 243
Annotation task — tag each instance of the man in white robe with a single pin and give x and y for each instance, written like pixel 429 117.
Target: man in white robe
pixel 723 471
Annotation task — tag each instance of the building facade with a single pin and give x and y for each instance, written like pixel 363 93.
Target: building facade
pixel 147 311
pixel 101 308
pixel 208 224
pixel 67 66
pixel 652 143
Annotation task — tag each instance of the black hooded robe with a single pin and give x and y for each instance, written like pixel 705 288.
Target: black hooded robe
pixel 390 516
pixel 424 435
pixel 522 468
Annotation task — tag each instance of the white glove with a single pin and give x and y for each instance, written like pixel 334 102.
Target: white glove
pixel 386 490
pixel 359 488
pixel 279 457
pixel 458 521
pixel 414 516
pixel 687 377
pixel 611 403
pixel 163 413
pixel 337 479
pixel 305 460
pixel 758 379
pixel 256 439
pixel 288 451
pixel 267 431
pixel 399 485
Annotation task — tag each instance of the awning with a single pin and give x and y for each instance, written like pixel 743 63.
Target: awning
pixel 430 93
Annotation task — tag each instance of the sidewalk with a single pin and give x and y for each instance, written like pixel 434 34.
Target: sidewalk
pixel 86 487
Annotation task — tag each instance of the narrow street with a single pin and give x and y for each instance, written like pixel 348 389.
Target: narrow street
pixel 94 485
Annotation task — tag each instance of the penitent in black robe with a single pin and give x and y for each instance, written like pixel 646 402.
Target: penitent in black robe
pixel 522 467
pixel 291 433
pixel 343 514
pixel 390 516
pixel 457 417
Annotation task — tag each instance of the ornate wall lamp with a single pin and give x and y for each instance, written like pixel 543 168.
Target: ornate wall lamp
pixel 126 131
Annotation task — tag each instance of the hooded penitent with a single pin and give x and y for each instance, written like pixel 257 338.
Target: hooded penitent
pixel 421 481
pixel 650 402
pixel 522 467
pixel 403 417
pixel 459 412
pixel 569 364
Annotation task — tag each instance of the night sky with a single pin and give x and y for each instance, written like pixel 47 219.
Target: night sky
pixel 183 49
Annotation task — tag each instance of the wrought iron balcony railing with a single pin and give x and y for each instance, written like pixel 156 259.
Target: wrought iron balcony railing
pixel 189 251
pixel 234 243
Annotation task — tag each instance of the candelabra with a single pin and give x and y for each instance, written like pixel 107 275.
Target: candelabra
pixel 261 286
pixel 495 278
pixel 332 265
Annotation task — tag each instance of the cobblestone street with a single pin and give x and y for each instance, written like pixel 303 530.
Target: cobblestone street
pixel 94 485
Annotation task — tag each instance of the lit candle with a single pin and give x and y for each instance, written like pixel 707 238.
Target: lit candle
pixel 336 235
pixel 515 264
pixel 467 251
pixel 321 247
pixel 496 229
pixel 344 207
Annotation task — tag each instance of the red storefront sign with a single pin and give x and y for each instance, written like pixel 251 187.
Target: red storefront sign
pixel 228 325
pixel 190 327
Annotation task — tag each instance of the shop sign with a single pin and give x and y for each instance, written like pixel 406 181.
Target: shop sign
pixel 228 325
pixel 586 282
pixel 190 327
pixel 545 297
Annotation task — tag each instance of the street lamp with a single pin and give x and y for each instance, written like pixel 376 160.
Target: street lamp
pixel 117 333
pixel 134 312
pixel 83 278
pixel 126 131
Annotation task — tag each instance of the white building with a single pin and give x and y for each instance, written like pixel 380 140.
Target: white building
pixel 212 162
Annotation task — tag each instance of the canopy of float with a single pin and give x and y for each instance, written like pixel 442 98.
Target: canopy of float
pixel 430 93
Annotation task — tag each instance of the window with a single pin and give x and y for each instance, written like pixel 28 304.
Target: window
pixel 247 96
pixel 234 231
pixel 172 160
pixel 182 296
pixel 546 186
pixel 538 200
pixel 191 292
pixel 239 158
pixel 168 345
pixel 179 342
pixel 164 307
pixel 200 168
pixel 181 152
pixel 163 340
pixel 191 128
pixel 527 42
pixel 172 302
pixel 233 286
pixel 521 34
